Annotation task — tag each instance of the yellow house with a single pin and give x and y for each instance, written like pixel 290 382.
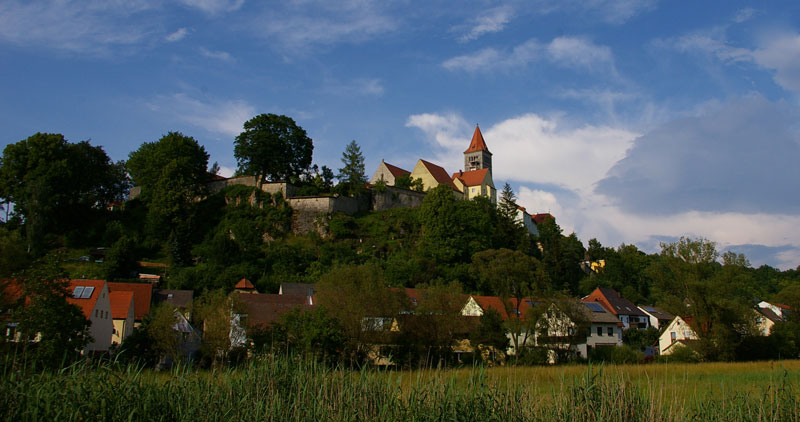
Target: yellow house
pixel 475 183
pixel 431 175
pixel 122 315
pixel 387 174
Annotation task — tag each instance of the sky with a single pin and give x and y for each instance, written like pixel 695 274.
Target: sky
pixel 631 121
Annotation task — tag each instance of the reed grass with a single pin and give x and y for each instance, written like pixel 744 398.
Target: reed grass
pixel 284 389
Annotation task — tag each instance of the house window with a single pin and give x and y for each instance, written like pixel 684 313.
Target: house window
pixel 672 336
pixel 599 331
pixel 96 313
pixel 610 331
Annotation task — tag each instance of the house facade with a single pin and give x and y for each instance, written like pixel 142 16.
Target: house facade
pixel 92 296
pixel 122 315
pixel 142 298
pixel 388 174
pixel 659 318
pixel 676 334
pixel 605 329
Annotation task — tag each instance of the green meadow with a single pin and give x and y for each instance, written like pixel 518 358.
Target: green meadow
pixel 288 390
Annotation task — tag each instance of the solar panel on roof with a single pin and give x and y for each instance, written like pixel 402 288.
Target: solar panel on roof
pixel 649 308
pixel 596 307
pixel 87 292
pixel 77 292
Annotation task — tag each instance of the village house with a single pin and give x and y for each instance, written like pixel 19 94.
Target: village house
pixel 122 315
pixel 388 174
pixel 605 329
pixel 142 298
pixel 628 313
pixel 678 333
pixel 659 318
pixel 92 297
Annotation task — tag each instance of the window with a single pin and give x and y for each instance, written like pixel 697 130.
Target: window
pixel 599 331
pixel 673 336
pixel 611 331
pixel 96 313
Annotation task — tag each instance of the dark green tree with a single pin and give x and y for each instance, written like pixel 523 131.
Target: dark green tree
pixel 510 231
pixel 490 331
pixel 351 177
pixel 56 186
pixel 273 147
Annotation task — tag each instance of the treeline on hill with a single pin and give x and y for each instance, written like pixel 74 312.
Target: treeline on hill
pixel 62 199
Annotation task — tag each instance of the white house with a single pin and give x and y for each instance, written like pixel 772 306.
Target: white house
pixel 93 299
pixel 677 333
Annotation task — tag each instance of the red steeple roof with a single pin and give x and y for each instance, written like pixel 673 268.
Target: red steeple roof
pixel 477 144
pixel 244 284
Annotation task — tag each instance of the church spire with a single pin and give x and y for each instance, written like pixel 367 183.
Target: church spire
pixel 477 144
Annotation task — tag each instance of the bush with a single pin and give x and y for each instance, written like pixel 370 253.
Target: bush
pixel 626 354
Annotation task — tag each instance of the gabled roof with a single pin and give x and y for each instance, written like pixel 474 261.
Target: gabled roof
pixel 301 289
pixel 396 171
pixel 601 315
pixel 121 303
pixel 265 309
pixel 86 304
pixel 493 302
pixel 142 295
pixel 244 284
pixel 540 218
pixel 477 143
pixel 438 173
pixel 614 302
pixel 769 314
pixel 658 313
pixel 176 298
pixel 472 177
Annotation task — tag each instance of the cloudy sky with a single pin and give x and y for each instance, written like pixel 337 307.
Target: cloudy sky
pixel 632 121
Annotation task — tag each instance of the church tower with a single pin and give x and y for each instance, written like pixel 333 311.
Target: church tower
pixel 477 156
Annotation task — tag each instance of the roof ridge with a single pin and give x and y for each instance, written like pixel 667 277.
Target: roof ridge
pixel 477 143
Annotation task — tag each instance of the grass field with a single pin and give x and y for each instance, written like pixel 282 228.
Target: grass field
pixel 286 390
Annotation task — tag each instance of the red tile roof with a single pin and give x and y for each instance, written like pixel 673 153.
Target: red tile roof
pixel 614 302
pixel 494 302
pixel 244 284
pixel 477 143
pixel 121 303
pixel 86 305
pixel 472 177
pixel 540 218
pixel 396 171
pixel 439 174
pixel 142 295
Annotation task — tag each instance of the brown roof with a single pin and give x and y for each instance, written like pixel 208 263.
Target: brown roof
pixel 300 289
pixel 614 302
pixel 472 177
pixel 176 298
pixel 142 295
pixel 600 315
pixel 769 314
pixel 121 303
pixel 86 304
pixel 439 174
pixel 396 171
pixel 244 284
pixel 265 309
pixel 659 313
pixel 477 143
pixel 540 218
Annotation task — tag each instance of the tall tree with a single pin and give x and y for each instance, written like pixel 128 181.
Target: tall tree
pixel 272 147
pixel 510 230
pixel 57 186
pixel 352 176
pixel 171 174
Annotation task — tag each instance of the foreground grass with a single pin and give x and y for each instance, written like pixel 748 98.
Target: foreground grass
pixel 285 390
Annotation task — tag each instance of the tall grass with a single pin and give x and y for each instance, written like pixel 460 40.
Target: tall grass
pixel 288 390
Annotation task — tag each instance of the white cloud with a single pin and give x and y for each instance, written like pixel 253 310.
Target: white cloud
pixel 224 117
pixel 216 55
pixel 214 6
pixel 81 26
pixel 567 52
pixel 609 11
pixel 226 171
pixel 744 15
pixel 546 151
pixel 177 35
pixel 493 20
pixel 781 53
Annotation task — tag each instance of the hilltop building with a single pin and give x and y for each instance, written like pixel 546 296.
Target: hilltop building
pixel 388 174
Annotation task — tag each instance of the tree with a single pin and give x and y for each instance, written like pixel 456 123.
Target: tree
pixel 172 175
pixel 311 333
pixel 510 230
pixel 351 176
pixel 358 298
pixel 56 186
pixel 42 313
pixel 215 312
pixel 273 148
pixel 512 276
pixel 490 332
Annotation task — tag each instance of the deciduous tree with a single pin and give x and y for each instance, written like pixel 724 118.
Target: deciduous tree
pixel 273 147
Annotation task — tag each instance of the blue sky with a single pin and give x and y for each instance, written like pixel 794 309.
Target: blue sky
pixel 631 121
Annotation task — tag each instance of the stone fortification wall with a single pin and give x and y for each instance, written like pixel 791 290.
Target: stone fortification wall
pixel 311 213
pixel 396 198
pixel 286 189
